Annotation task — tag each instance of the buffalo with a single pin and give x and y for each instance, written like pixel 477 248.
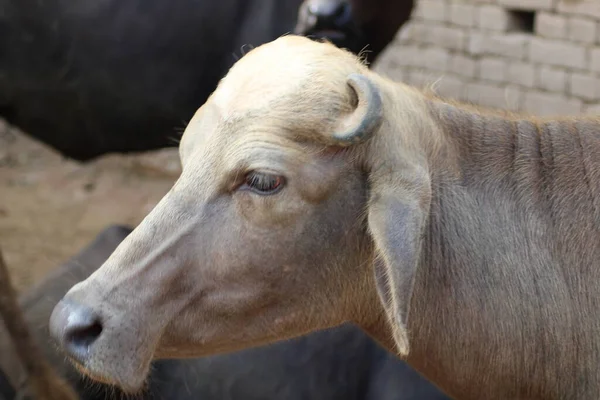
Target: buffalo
pixel 94 77
pixel 316 192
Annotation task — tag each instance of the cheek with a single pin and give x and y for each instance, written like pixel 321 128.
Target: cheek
pixel 319 180
pixel 290 235
pixel 237 295
pixel 274 212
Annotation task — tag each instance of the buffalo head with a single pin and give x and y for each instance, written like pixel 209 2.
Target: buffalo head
pixel 270 231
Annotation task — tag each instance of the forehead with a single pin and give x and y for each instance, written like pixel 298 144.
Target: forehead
pixel 291 67
pixel 239 93
pixel 230 140
pixel 280 96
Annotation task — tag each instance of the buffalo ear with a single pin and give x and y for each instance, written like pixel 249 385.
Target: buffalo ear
pixel 397 215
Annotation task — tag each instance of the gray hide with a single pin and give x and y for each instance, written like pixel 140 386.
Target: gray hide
pixel 341 363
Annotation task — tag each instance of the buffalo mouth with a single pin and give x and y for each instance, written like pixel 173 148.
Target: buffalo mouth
pixel 86 372
pixel 104 380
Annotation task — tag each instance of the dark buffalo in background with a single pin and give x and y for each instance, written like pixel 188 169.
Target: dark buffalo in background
pixel 341 363
pixel 356 25
pixel 90 77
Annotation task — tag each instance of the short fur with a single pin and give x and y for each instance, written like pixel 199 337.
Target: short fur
pixel 468 242
pixel 313 367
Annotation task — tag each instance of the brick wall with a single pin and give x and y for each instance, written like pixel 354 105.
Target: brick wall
pixel 538 56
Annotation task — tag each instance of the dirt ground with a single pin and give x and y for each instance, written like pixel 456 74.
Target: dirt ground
pixel 51 207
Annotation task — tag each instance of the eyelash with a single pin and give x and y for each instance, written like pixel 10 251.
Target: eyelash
pixel 262 183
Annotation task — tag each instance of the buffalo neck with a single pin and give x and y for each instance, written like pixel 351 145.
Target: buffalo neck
pixel 543 165
pixel 506 295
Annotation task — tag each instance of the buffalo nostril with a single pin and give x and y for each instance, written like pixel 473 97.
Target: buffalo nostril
pixel 76 327
pixel 83 336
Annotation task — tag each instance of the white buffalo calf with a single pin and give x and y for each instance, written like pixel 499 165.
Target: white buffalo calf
pixel 316 192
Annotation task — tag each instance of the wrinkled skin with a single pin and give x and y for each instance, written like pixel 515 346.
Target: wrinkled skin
pixel 216 266
pixel 356 25
pixel 337 364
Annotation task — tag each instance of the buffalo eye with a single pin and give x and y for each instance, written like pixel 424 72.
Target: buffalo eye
pixel 262 183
